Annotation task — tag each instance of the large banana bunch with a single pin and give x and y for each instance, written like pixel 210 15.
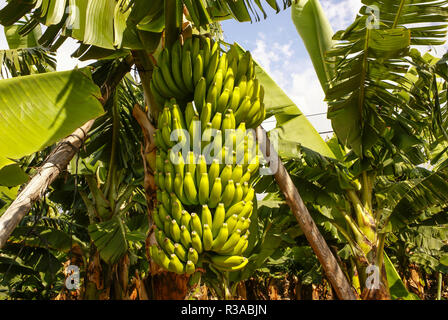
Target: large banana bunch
pixel 207 156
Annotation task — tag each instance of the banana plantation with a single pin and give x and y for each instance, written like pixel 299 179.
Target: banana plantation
pixel 150 173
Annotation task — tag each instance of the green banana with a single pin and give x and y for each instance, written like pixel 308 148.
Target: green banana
pixel 207 238
pixel 204 189
pixel 199 94
pixel 175 264
pixel 156 218
pixel 221 238
pixel 206 216
pixel 212 67
pixel 228 194
pixel 180 252
pixel 198 69
pixel 232 222
pixel 216 121
pixel 215 193
pixel 213 172
pixel 196 242
pixel 193 255
pixel 176 66
pixel 185 237
pixel 190 112
pixel 235 209
pixel 223 100
pixel 189 267
pixel 218 219
pixel 187 70
pixel 196 224
pixel 168 182
pixel 190 188
pixel 247 210
pixel 206 113
pixel 167 76
pixel 226 174
pixel 236 268
pixel 227 261
pixel 175 230
pixel 185 219
pixel 168 246
pixel 238 193
pixel 231 242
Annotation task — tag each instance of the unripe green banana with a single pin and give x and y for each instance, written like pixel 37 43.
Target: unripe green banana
pixel 223 100
pixel 179 165
pixel 212 97
pixel 206 216
pixel 206 115
pixel 163 259
pixel 196 224
pixel 189 113
pixel 247 210
pixel 226 174
pixel 190 267
pixel 242 66
pixel 238 249
pixel 204 189
pixel 255 163
pixel 218 219
pixel 221 238
pixel 231 242
pixel 161 181
pixel 191 163
pixel 238 194
pixel 185 219
pixel 218 82
pixel 240 224
pixel 168 245
pixel 215 193
pixel 156 218
pixel 168 182
pixel 246 225
pixel 193 255
pixel 232 222
pixel 252 108
pixel 175 264
pixel 176 67
pixel 246 176
pixel 199 94
pixel 160 236
pixel 175 230
pixel 216 121
pixel 178 187
pixel 235 98
pixel 167 76
pixel 198 69
pixel 206 47
pixel 166 225
pixel 159 163
pixel 229 80
pixel 228 194
pixel 223 63
pixel 176 208
pixel 166 201
pixel 226 124
pixel 227 261
pixel 250 194
pixel 190 188
pixel 195 46
pixel 212 67
pixel 235 209
pixel 213 172
pixel 187 70
pixel 243 111
pixel 196 242
pixel 185 237
pixel 207 238
pixel 160 84
pixel 157 97
pixel 180 252
pixel 236 268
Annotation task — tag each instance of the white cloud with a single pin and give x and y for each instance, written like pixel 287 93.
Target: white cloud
pixel 341 13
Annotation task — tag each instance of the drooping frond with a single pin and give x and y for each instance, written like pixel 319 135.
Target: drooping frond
pixel 370 60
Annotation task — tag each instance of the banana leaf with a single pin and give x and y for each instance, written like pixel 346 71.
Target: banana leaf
pixel 38 110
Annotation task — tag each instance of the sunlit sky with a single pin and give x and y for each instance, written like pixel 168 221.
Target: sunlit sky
pixel 276 45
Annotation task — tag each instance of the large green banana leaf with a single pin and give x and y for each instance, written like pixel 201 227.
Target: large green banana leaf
pixel 315 30
pixel 39 110
pixel 293 128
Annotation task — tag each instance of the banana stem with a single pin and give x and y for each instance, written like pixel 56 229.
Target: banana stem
pixel 439 285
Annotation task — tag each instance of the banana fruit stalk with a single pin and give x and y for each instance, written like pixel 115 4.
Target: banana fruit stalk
pixel 206 153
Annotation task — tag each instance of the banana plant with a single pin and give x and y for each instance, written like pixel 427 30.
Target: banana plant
pixel 378 142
